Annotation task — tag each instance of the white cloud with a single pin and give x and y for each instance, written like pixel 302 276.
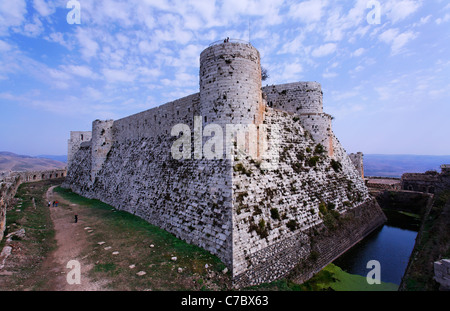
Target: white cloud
pixel 400 10
pixel 329 75
pixel 4 46
pixel 324 50
pixel 292 72
pixel 308 11
pixel 33 29
pixel 397 39
pixel 88 45
pixel 58 37
pixel 44 8
pixel 12 13
pixel 358 52
pixel 114 76
pixel 80 71
pixel 444 19
pixel 294 46
pixel 58 74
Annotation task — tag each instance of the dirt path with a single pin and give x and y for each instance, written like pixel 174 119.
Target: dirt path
pixel 71 240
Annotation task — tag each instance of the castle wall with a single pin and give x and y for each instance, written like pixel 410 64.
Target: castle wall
pixel 101 143
pixel 157 121
pixel 306 100
pixel 358 161
pixel 298 97
pixel 189 198
pixel 30 176
pixel 10 183
pixel 76 138
pixel 7 192
pixel 319 126
pixel 274 209
pixel 254 213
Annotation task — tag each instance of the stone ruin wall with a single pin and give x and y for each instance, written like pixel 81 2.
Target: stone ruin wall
pixel 214 203
pixel 10 183
pixel 358 161
pixel 191 199
pixel 306 100
pixel 76 139
pixel 7 192
pixel 294 192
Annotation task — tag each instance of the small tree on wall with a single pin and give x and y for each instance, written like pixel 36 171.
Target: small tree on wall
pixel 264 74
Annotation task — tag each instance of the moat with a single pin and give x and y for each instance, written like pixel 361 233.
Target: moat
pixel 391 245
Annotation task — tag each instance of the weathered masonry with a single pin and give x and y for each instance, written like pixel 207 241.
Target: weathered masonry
pixel 10 182
pixel 263 214
pixel 428 182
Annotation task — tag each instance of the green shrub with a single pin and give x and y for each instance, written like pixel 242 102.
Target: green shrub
pixel 319 149
pixel 313 161
pixel 323 208
pixel 292 225
pixel 262 230
pixel 297 167
pixel 241 168
pixel 337 166
pixel 274 213
pixel 329 221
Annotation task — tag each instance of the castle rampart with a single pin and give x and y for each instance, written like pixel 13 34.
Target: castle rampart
pixel 299 97
pixel 257 219
pixel 358 161
pixel 76 138
pixel 10 183
pixel 304 99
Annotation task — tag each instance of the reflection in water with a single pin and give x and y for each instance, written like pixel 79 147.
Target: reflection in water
pixel 391 245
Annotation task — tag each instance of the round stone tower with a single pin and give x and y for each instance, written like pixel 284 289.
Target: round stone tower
pixel 230 84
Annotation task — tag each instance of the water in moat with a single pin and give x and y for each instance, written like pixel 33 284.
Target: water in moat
pixel 391 245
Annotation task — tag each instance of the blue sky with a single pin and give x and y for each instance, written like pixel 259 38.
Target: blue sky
pixel 387 84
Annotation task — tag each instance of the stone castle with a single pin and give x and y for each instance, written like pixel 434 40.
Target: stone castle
pixel 286 197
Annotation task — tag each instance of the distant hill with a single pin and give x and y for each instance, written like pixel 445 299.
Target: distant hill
pixel 384 165
pixel 60 158
pixel 14 162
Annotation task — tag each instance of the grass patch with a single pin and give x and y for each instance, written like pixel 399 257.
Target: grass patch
pixel 132 236
pixel 39 238
pixel 334 278
pixel 331 278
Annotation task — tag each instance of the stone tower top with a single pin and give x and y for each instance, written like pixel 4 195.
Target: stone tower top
pixel 230 84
